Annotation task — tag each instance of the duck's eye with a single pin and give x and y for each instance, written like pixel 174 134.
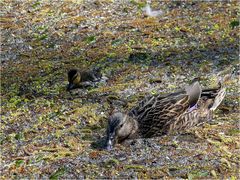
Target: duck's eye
pixel 121 125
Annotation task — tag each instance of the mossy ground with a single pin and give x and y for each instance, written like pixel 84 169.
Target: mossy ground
pixel 48 133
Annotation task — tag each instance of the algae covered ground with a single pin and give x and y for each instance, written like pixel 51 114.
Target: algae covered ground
pixel 47 132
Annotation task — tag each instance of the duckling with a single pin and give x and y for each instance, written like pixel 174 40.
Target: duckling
pixel 79 79
pixel 163 114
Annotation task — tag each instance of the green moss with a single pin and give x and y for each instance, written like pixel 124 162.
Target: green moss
pixel 197 174
pixel 232 132
pixel 15 101
pixel 2 138
pixel 234 23
pixel 19 162
pixel 139 4
pixel 19 136
pixel 136 167
pixel 90 39
pixel 111 162
pixel 86 131
pixel 56 175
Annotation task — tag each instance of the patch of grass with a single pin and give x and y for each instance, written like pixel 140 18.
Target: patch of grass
pixel 234 23
pixel 232 132
pixel 90 39
pixel 116 43
pixel 19 136
pixel 136 167
pixel 56 175
pixel 139 4
pixel 19 162
pixel 197 174
pixel 111 162
pixel 36 4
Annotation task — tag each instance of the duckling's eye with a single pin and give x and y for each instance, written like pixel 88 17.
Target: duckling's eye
pixel 121 125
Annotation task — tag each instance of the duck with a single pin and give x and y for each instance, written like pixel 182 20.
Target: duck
pixel 164 114
pixel 82 78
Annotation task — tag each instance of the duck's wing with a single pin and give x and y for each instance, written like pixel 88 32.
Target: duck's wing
pixel 210 99
pixel 155 113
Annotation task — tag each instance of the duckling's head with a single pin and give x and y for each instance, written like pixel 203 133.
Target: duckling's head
pixel 74 78
pixel 120 127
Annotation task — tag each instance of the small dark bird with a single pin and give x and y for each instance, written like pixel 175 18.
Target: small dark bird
pixel 80 79
pixel 163 114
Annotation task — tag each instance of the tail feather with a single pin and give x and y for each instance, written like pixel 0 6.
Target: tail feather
pixel 221 93
pixel 218 99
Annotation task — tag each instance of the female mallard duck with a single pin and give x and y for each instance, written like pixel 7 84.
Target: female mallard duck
pixel 163 114
pixel 78 79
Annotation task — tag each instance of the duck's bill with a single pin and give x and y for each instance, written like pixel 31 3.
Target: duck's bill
pixel 109 145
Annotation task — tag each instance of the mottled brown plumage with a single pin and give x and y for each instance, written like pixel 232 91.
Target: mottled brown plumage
pixel 163 114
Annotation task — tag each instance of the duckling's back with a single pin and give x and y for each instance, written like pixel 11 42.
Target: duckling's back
pixel 91 75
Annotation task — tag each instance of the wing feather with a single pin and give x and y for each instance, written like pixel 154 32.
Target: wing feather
pixel 156 113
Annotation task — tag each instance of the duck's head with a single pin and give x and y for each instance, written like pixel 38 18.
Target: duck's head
pixel 74 79
pixel 120 127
